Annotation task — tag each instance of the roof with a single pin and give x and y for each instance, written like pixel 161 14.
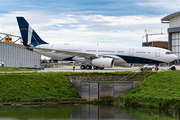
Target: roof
pixel 155 41
pixel 170 16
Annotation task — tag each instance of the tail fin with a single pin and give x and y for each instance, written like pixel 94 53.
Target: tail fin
pixel 29 36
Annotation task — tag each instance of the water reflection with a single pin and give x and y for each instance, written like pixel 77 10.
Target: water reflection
pixel 77 112
pixel 100 112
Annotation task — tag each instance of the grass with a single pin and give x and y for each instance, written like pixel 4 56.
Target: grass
pixel 35 87
pixel 160 89
pixel 10 69
pixel 105 101
pixel 54 87
pixel 41 87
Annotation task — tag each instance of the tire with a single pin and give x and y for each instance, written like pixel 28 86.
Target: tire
pixel 95 67
pixel 156 69
pixel 173 68
pixel 82 67
pixel 89 67
pixel 101 68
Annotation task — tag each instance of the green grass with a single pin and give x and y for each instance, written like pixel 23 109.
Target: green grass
pixel 105 101
pixel 10 69
pixel 41 87
pixel 35 87
pixel 160 89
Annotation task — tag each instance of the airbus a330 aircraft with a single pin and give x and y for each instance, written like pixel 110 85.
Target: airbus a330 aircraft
pixel 99 56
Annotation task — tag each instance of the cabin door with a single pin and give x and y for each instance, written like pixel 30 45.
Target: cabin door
pixel 79 49
pixel 157 53
pixel 131 51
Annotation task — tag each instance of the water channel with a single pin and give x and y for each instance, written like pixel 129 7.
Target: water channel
pixel 80 112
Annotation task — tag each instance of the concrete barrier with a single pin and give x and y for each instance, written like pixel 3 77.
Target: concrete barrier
pixel 85 90
pixel 77 85
pixel 105 89
pixel 92 90
pixel 122 88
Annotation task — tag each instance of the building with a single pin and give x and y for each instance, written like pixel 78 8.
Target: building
pixel 13 56
pixel 162 44
pixel 173 32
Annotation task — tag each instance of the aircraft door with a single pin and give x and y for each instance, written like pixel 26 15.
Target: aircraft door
pixel 131 51
pixel 157 53
pixel 79 49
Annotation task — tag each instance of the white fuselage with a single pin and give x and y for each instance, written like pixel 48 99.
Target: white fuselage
pixel 120 54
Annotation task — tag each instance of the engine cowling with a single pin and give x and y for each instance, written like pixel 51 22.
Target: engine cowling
pixel 81 59
pixel 103 62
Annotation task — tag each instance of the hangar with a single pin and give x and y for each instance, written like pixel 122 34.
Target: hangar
pixel 14 56
pixel 173 32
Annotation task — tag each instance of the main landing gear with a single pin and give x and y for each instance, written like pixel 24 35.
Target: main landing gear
pixel 89 67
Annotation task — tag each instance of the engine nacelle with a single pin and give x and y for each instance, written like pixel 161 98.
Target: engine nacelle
pixel 81 59
pixel 103 62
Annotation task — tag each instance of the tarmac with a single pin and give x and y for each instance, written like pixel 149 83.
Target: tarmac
pixel 114 69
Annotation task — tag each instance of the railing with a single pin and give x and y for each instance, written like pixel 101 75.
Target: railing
pixel 134 73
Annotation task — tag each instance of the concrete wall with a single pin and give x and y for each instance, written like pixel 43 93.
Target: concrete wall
pixel 122 88
pixel 91 90
pixel 94 91
pixel 106 89
pixel 85 90
pixel 13 56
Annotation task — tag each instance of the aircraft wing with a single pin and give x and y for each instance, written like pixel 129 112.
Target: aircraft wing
pixel 74 53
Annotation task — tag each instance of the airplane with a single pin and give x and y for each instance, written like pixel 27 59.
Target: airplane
pixel 99 57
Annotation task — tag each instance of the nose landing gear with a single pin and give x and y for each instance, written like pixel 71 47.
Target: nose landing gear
pixel 172 67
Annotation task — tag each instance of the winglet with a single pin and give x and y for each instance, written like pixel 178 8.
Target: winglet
pixel 29 36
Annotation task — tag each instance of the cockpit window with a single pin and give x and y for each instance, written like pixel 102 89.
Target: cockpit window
pixel 169 53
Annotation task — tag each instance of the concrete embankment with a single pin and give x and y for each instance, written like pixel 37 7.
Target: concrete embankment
pixel 91 90
pixel 54 87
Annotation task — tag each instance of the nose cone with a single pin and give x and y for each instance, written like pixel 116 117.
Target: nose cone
pixel 173 57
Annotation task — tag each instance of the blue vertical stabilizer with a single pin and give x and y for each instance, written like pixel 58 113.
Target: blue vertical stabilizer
pixel 29 36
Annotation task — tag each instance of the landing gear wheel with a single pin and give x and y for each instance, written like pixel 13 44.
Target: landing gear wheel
pixel 82 67
pixel 89 67
pixel 101 68
pixel 173 68
pixel 156 69
pixel 95 67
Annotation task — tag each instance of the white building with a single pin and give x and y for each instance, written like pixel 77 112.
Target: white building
pixel 173 32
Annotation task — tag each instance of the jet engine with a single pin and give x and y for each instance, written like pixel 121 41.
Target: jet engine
pixel 81 59
pixel 103 62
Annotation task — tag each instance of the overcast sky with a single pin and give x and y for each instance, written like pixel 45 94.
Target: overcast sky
pixel 103 22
